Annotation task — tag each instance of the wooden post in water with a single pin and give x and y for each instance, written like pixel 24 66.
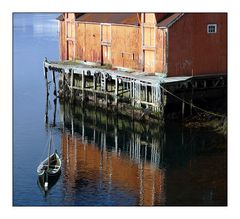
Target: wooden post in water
pixel 63 82
pixel 153 97
pixel 46 83
pixel 83 84
pixel 94 88
pixel 162 102
pixel 106 89
pixel 133 93
pixel 130 91
pixel 46 110
pixel 191 102
pixel 145 93
pixel 116 91
pixel 183 107
pixel 94 82
pixel 46 79
pixel 54 113
pixel 54 82
pixel 71 85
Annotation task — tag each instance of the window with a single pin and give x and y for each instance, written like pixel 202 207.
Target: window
pixel 212 28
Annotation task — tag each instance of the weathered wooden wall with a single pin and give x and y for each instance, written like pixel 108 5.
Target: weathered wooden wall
pixel 116 44
pixel 192 51
pixel 88 42
pixel 161 48
pixel 126 46
pixel 62 34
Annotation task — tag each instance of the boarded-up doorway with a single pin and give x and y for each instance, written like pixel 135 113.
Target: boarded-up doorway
pixel 149 61
pixel 70 50
pixel 106 54
pixel 106 41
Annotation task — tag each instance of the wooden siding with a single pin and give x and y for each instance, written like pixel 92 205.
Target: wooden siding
pixel 149 18
pixel 62 41
pixel 161 48
pixel 70 50
pixel 193 51
pixel 126 47
pixel 106 33
pixel 70 29
pixel 70 16
pixel 80 41
pixel 149 36
pixel 149 60
pixel 88 46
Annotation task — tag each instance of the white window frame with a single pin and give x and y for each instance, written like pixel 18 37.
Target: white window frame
pixel 211 25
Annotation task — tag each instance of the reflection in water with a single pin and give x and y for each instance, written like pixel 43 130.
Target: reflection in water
pixel 111 160
pixel 104 149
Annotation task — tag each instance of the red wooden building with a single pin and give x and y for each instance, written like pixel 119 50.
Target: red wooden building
pixel 175 44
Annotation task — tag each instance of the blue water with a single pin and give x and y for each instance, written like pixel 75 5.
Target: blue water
pixel 105 163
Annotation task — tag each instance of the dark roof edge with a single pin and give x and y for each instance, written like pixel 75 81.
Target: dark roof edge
pixel 168 22
pixel 174 20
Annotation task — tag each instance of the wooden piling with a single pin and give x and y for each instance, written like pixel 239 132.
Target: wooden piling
pixel 183 107
pixel 46 110
pixel 116 91
pixel 63 82
pixel 71 85
pixel 54 83
pixel 83 84
pixel 46 79
pixel 54 112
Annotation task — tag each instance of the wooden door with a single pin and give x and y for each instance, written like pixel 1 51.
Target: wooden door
pixel 149 61
pixel 70 50
pixel 106 54
pixel 106 40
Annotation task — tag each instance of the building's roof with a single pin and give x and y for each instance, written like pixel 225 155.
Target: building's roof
pixel 164 20
pixel 116 18
pixel 170 20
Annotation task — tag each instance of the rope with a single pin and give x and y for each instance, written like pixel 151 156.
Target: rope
pixel 194 106
pixel 44 151
pixel 43 156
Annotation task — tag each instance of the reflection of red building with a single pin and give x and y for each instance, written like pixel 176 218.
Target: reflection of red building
pixel 118 170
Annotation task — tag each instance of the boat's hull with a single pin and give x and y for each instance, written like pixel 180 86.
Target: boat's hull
pixel 52 180
pixel 48 176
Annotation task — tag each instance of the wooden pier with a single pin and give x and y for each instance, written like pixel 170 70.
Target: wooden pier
pixel 106 86
pixel 119 89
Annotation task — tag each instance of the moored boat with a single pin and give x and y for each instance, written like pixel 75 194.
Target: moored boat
pixel 49 169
